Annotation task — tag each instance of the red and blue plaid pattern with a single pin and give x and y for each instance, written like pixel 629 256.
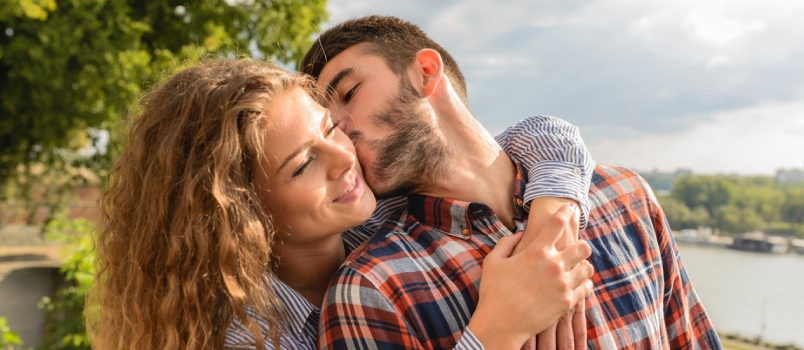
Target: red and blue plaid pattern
pixel 414 285
pixel 550 149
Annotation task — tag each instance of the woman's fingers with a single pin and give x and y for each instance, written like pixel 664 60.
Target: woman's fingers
pixel 564 335
pixel 582 291
pixel 546 340
pixel 580 274
pixel 543 279
pixel 579 326
pixel 575 253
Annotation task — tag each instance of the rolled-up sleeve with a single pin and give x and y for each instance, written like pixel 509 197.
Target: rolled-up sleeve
pixel 555 157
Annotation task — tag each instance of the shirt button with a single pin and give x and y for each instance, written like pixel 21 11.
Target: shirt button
pixel 576 171
pixel 519 201
pixel 578 194
pixel 466 232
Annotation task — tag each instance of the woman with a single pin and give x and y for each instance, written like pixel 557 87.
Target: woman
pixel 224 214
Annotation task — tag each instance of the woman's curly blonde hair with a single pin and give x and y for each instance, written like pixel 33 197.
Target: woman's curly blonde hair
pixel 184 245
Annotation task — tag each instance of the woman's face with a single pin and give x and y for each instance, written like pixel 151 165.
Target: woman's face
pixel 311 183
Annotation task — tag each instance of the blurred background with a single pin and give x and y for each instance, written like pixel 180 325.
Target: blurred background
pixel 704 98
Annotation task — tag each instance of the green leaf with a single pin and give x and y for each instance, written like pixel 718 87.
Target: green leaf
pixel 83 63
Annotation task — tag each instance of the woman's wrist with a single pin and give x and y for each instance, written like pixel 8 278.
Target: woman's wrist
pixel 493 334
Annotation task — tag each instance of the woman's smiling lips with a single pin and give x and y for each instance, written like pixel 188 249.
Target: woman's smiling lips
pixel 354 191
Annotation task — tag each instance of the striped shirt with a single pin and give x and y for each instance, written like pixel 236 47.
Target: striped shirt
pixel 414 285
pixel 551 151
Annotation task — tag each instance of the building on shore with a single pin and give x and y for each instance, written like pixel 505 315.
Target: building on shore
pixel 797 245
pixel 702 236
pixel 758 241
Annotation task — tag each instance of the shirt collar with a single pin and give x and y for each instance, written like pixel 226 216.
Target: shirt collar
pixel 454 217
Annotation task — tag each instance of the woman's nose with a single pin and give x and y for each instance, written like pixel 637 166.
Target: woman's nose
pixel 343 160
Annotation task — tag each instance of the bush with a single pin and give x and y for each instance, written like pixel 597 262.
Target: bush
pixel 7 337
pixel 66 327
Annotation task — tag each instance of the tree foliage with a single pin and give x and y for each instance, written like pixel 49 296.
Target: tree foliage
pixel 793 207
pixel 709 192
pixel 732 219
pixel 8 338
pixel 733 204
pixel 68 67
pixel 682 217
pixel 65 308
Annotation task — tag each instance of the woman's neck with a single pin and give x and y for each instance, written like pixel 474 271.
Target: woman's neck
pixel 308 267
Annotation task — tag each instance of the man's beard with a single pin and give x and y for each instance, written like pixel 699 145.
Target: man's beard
pixel 413 157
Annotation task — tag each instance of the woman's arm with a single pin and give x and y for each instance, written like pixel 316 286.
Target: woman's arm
pixel 559 169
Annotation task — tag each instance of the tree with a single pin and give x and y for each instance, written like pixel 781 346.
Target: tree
pixel 70 67
pixel 709 192
pixel 680 216
pixel 760 194
pixel 793 207
pixel 734 220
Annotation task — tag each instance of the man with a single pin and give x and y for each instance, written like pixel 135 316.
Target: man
pixel 402 100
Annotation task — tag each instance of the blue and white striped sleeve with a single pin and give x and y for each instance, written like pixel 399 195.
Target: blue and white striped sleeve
pixel 555 157
pixel 468 341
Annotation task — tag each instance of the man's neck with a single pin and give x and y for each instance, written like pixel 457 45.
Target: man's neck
pixel 308 267
pixel 479 170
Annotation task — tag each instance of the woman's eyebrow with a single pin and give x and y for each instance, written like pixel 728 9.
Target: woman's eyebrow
pixel 301 149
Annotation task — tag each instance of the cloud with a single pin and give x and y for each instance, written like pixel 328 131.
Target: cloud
pixel 710 25
pixel 796 130
pixel 620 68
pixel 753 140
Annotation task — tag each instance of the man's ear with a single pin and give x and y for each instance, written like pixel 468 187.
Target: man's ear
pixel 430 69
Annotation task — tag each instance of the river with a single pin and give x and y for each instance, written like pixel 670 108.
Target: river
pixel 751 294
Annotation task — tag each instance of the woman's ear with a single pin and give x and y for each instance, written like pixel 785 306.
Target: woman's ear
pixel 430 68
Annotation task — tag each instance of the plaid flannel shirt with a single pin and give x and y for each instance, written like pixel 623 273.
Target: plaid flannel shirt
pixel 414 285
pixel 551 150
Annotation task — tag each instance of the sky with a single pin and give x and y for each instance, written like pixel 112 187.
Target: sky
pixel 715 86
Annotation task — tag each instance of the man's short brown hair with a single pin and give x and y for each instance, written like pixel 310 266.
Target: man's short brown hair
pixel 394 39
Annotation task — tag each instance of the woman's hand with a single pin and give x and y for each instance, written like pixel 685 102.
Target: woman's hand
pixel 569 333
pixel 522 295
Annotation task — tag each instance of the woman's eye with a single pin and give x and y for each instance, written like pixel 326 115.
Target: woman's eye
pixel 300 170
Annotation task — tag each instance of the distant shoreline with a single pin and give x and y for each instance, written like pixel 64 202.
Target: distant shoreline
pixel 733 341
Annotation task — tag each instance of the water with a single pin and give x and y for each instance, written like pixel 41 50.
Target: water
pixel 751 294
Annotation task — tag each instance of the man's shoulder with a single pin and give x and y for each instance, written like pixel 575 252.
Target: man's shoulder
pixel 604 172
pixel 613 181
pixel 614 189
